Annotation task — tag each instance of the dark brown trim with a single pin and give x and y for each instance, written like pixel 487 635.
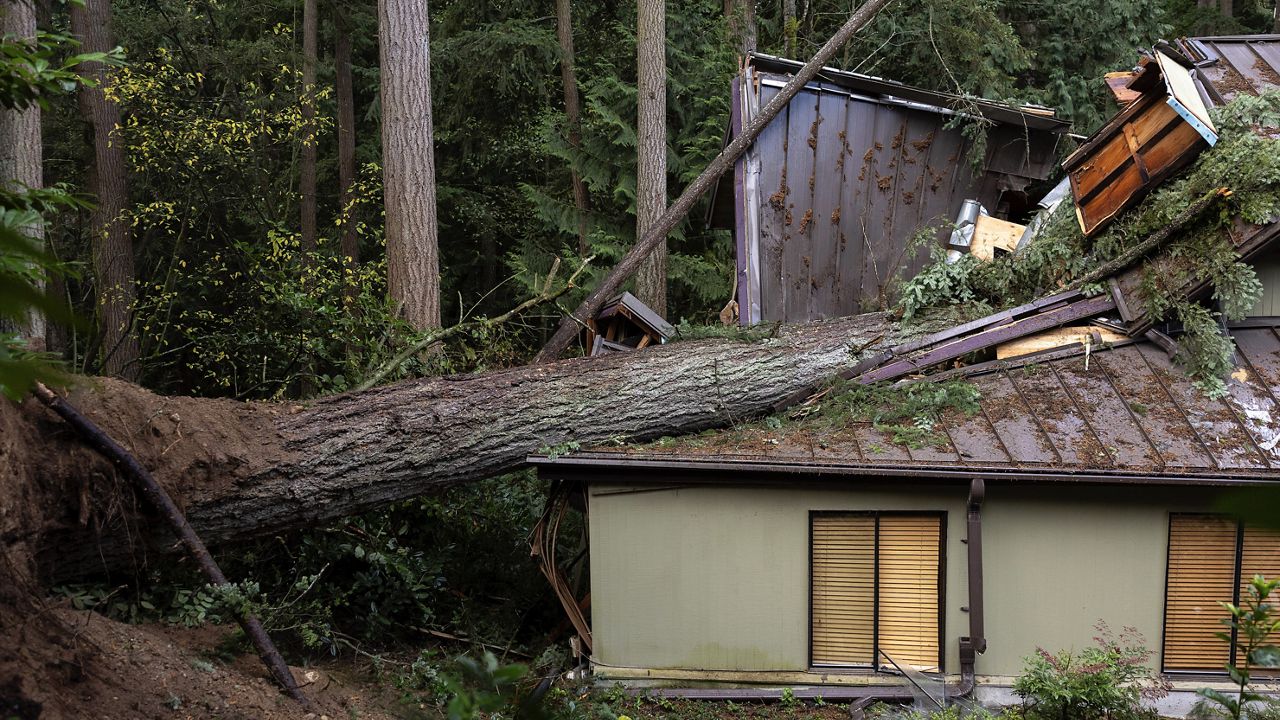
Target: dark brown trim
pixel 628 468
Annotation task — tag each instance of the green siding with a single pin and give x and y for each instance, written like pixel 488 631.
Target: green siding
pixel 716 578
pixel 1268 269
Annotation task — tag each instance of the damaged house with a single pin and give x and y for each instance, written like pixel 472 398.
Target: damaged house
pixel 826 204
pixel 825 552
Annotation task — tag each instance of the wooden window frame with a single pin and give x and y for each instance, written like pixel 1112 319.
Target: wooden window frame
pixel 1237 568
pixel 875 667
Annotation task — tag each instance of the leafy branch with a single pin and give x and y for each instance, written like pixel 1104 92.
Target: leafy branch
pixel 549 293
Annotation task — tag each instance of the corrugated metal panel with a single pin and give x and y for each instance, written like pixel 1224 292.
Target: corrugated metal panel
pixel 837 186
pixel 1125 410
pixel 1234 64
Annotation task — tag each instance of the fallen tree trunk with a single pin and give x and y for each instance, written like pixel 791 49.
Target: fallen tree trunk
pixel 243 470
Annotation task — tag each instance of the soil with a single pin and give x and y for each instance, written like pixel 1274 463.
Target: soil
pixel 58 663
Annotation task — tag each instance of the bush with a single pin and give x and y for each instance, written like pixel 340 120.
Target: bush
pixel 1109 680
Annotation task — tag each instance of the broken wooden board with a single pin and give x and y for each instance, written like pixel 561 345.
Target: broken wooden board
pixel 1059 337
pixel 991 234
pixel 1118 84
pixel 1139 148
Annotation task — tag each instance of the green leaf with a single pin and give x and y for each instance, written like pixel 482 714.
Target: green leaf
pixel 1267 656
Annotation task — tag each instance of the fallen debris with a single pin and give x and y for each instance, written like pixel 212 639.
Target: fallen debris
pixel 625 324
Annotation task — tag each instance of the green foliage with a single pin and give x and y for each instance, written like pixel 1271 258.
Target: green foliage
pixel 30 73
pixel 484 687
pixel 686 330
pixel 1256 626
pixel 700 64
pixel 909 413
pixel 33 71
pixel 1107 680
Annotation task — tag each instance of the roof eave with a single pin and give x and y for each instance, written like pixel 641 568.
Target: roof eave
pixel 719 471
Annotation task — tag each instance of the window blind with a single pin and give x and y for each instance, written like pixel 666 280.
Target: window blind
pixel 1211 561
pixel 1202 554
pixel 843 631
pixel 908 592
pixel 875 589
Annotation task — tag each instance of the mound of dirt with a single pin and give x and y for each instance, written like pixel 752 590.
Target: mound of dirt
pixel 59 663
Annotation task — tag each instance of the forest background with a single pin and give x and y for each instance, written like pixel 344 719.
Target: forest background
pixel 250 139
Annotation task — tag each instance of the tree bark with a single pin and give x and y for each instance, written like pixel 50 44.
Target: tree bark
pixel 21 162
pixel 243 470
pixel 570 325
pixel 307 181
pixel 789 27
pixel 1227 8
pixel 573 115
pixel 742 23
pixel 109 226
pixel 344 88
pixel 408 165
pixel 651 147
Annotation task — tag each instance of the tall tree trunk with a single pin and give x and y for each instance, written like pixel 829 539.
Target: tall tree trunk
pixel 109 228
pixel 651 146
pixel 1227 8
pixel 245 470
pixel 742 23
pixel 307 182
pixel 21 164
pixel 345 91
pixel 573 114
pixel 1275 18
pixel 789 27
pixel 408 165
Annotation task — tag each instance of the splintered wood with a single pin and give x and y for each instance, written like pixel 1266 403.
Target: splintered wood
pixel 1059 337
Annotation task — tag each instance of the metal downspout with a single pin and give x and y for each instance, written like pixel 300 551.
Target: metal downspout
pixel 976 641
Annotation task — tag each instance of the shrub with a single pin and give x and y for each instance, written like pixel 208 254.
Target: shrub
pixel 1109 680
pixel 1254 623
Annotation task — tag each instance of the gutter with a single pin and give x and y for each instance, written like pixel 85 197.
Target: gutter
pixel 971 645
pixel 678 469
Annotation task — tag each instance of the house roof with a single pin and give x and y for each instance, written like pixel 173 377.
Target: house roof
pixel 1124 414
pixel 1036 117
pixel 1231 64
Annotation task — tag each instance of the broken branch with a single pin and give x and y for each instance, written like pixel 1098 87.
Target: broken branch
pixel 631 262
pixel 546 295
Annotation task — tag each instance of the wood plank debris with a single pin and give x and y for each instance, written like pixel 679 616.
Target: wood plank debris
pixel 625 324
pixel 992 235
pixel 1153 137
pixel 1094 335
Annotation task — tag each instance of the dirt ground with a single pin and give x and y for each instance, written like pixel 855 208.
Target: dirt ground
pixel 64 663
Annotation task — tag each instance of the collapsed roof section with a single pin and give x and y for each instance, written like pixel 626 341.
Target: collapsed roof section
pixel 826 202
pixel 1109 161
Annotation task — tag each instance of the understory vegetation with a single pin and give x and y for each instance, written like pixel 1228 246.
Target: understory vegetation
pixel 1243 167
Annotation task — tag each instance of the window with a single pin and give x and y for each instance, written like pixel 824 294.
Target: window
pixel 876 582
pixel 1211 560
